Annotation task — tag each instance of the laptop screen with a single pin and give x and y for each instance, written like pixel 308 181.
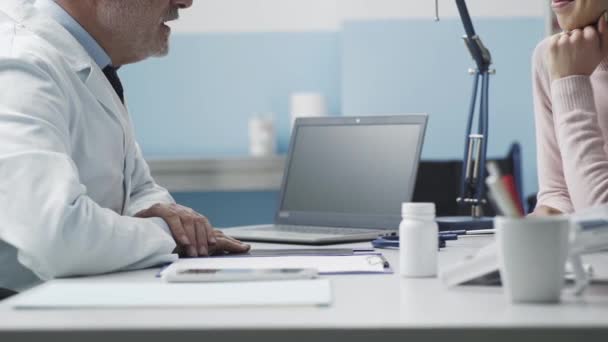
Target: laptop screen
pixel 353 169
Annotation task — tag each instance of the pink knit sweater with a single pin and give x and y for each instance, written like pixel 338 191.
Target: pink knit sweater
pixel 571 117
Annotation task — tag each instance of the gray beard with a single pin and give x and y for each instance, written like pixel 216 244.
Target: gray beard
pixel 119 17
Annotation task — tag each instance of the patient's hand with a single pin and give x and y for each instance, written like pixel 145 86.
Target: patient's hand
pixel 578 52
pixel 542 211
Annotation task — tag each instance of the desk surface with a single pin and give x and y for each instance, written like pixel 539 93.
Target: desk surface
pixel 363 304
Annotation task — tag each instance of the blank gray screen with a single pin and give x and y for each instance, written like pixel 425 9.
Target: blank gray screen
pixel 355 169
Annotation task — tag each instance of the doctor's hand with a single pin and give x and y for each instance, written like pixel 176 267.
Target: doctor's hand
pixel 578 52
pixel 224 245
pixel 192 231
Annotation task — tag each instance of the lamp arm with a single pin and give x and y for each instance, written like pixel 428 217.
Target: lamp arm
pixel 466 18
pixel 481 55
pixel 473 169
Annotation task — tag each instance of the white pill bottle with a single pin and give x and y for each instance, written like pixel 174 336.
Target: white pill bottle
pixel 418 240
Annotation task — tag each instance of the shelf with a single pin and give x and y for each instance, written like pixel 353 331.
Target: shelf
pixel 208 175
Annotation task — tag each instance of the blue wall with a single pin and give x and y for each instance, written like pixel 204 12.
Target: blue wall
pixel 196 102
pixel 228 209
pixel 387 68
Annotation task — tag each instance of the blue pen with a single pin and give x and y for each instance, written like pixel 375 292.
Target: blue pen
pixel 457 232
pixel 393 242
pixel 468 232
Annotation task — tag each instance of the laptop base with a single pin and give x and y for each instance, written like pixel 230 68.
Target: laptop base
pixel 263 234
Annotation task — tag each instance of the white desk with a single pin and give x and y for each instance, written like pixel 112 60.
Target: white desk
pixel 366 307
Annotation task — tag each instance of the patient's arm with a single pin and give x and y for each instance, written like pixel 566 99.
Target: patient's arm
pixel 552 189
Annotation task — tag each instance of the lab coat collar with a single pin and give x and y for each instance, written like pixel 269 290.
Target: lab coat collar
pixel 27 16
pixel 52 9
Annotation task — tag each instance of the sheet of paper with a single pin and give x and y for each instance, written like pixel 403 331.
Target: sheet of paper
pixel 74 295
pixel 324 264
pixel 297 252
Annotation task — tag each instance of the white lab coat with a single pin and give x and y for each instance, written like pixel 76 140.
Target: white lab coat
pixel 71 173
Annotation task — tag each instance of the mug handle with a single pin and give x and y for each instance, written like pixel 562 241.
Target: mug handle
pixel 582 279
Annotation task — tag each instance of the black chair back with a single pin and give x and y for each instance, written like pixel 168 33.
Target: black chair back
pixel 439 181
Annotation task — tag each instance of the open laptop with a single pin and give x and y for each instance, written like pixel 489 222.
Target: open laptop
pixel 344 180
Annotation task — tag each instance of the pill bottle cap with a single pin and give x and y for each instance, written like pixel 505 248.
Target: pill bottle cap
pixel 417 209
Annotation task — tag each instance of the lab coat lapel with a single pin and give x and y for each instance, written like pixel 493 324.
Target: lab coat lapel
pixel 99 86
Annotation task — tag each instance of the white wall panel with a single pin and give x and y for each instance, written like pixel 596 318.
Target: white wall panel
pixel 382 9
pixel 327 15
pixel 260 15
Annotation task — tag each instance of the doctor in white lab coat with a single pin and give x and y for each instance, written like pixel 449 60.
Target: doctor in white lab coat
pixel 76 196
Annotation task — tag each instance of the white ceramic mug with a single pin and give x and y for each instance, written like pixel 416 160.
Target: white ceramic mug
pixel 532 254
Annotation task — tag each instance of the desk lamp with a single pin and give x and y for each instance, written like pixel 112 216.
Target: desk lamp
pixel 475 148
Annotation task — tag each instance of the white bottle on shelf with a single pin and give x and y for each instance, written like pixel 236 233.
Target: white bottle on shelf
pixel 262 136
pixel 307 104
pixel 418 240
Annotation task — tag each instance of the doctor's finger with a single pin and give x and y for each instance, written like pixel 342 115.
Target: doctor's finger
pixel 208 229
pixel 230 246
pixel 189 227
pixel 220 234
pixel 201 237
pixel 181 236
pixel 233 239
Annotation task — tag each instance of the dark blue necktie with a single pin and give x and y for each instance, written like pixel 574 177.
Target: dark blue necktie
pixel 112 76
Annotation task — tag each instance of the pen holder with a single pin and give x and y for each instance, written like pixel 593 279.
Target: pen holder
pixel 532 254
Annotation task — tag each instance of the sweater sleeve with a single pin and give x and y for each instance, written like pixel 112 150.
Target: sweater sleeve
pixel 553 191
pixel 581 140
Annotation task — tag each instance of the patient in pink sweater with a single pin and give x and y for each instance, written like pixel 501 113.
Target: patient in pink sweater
pixel 571 109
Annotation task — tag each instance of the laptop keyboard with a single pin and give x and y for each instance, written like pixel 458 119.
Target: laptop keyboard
pixel 318 230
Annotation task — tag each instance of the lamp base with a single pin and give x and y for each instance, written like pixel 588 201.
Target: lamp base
pixel 464 223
